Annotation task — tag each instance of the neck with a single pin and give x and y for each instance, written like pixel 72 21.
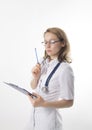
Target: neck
pixel 52 58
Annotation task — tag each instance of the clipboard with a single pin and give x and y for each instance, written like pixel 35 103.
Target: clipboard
pixel 22 90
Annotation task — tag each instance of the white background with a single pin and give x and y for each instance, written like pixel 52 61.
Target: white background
pixel 22 23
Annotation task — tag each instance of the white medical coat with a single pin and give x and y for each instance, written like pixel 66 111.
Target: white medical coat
pixel 61 86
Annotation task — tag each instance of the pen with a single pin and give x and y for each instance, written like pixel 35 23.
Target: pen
pixel 36 55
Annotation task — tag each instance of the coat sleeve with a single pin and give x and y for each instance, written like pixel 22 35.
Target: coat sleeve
pixel 66 81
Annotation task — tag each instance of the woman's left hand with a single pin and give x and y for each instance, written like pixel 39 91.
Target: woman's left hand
pixel 36 102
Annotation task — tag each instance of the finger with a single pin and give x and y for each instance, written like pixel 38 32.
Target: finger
pixel 38 65
pixel 30 97
pixel 35 94
pixel 36 69
pixel 35 72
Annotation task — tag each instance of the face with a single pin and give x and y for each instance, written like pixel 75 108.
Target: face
pixel 52 45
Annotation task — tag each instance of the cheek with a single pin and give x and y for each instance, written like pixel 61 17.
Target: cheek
pixel 57 48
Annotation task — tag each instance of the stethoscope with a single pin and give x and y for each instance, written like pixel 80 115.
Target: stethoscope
pixel 45 89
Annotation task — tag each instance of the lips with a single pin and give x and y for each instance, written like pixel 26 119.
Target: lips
pixel 48 50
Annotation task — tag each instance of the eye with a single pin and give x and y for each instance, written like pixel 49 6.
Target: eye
pixel 44 42
pixel 52 41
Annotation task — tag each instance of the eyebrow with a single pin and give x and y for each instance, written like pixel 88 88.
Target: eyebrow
pixel 52 39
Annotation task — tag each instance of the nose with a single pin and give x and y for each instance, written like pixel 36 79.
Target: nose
pixel 47 45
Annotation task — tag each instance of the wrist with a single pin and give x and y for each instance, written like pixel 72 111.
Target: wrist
pixel 36 78
pixel 45 104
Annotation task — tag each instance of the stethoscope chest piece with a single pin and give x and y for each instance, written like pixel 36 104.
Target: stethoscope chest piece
pixel 45 89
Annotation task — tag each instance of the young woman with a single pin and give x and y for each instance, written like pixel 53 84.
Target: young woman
pixel 53 81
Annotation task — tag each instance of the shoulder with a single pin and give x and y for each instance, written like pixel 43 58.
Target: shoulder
pixel 66 68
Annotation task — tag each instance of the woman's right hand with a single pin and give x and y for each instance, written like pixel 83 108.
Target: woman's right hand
pixel 36 71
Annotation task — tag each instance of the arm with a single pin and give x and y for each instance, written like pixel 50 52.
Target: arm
pixel 34 83
pixel 40 102
pixel 59 104
pixel 36 75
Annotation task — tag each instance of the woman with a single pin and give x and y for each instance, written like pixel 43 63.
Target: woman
pixel 53 81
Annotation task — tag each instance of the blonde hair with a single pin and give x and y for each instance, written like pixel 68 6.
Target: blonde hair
pixel 65 51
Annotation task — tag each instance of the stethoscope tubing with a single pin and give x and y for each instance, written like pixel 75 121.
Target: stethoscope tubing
pixel 45 89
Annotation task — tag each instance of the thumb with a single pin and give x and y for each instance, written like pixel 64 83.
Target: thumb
pixel 35 94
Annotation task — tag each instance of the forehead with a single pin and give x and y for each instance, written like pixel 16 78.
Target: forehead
pixel 49 35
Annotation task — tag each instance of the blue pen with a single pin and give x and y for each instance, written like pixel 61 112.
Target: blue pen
pixel 36 56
